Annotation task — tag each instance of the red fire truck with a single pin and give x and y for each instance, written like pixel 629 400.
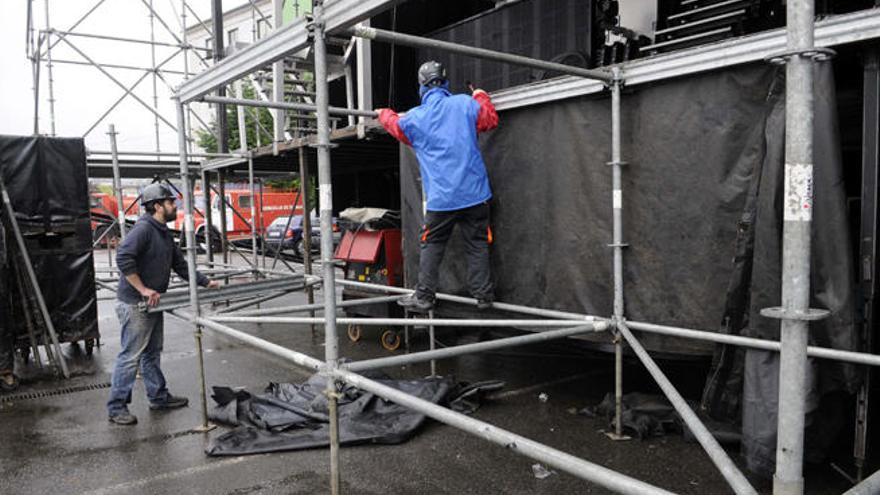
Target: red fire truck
pixel 103 208
pixel 238 211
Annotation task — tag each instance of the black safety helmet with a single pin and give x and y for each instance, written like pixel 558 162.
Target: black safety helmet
pixel 431 71
pixel 156 192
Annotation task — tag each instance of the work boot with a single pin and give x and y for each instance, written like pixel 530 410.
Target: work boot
pixel 170 402
pixel 124 418
pixel 415 304
pixel 8 381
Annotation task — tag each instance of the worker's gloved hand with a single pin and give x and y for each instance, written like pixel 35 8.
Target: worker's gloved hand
pixel 214 284
pixel 385 114
pixel 151 296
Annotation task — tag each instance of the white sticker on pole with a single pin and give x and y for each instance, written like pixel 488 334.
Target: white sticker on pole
pixel 326 193
pixel 617 199
pixel 798 206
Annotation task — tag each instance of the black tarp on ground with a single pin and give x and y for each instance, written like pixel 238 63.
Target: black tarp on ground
pixel 702 202
pixel 289 416
pixel 47 182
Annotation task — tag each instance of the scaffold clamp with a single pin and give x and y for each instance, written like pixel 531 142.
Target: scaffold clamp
pixel 817 54
pixel 780 313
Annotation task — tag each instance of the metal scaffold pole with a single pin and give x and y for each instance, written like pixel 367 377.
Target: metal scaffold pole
pixel 797 215
pixel 155 76
pixel 224 226
pixel 191 250
pixel 219 53
pixel 117 184
pixel 253 190
pixel 51 79
pixel 185 50
pixel 209 217
pixel 278 115
pixel 304 182
pixel 262 234
pixel 35 283
pixel 735 478
pixel 331 352
pixel 617 245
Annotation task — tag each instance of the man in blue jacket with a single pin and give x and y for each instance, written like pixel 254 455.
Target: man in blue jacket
pixel 443 132
pixel 145 259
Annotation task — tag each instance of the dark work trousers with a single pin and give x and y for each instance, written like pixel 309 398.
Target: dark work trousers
pixel 7 344
pixel 473 223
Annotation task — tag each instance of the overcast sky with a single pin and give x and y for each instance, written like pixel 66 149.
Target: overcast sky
pixel 82 93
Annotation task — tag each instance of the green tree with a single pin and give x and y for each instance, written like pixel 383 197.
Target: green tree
pixel 289 184
pixel 207 140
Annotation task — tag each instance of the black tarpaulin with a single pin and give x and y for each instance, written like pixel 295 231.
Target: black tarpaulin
pixel 832 283
pixel 694 147
pixel 46 179
pixel 289 416
pixel 702 196
pixel 691 144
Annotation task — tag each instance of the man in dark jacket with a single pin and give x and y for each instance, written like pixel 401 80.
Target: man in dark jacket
pixel 443 132
pixel 8 380
pixel 145 259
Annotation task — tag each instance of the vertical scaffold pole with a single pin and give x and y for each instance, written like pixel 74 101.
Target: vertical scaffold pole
pixel 155 78
pixel 186 47
pixel 304 184
pixel 117 183
pixel 797 220
pixel 617 245
pixel 326 207
pixel 254 219
pixel 191 249
pixel 51 79
pixel 278 114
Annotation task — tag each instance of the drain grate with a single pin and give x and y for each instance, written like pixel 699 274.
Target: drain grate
pixel 53 393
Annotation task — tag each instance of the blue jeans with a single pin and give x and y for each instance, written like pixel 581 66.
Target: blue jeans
pixel 142 335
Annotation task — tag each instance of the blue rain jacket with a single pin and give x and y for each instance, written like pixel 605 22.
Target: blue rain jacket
pixel 443 133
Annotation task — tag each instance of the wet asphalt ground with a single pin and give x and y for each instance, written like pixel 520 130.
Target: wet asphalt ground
pixel 64 444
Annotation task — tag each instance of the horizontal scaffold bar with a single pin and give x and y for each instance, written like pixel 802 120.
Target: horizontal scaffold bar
pixel 305 107
pixel 509 58
pixel 581 468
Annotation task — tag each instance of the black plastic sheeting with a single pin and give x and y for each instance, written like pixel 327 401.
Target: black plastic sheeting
pixel 47 182
pixel 557 30
pixel 645 416
pixel 290 416
pixel 756 285
pixel 702 197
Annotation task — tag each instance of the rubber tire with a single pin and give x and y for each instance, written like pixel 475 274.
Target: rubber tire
pixel 299 248
pixel 390 340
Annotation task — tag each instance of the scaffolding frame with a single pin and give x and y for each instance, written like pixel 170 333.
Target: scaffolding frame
pixel 39 52
pixel 48 37
pixel 340 17
pixel 795 313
